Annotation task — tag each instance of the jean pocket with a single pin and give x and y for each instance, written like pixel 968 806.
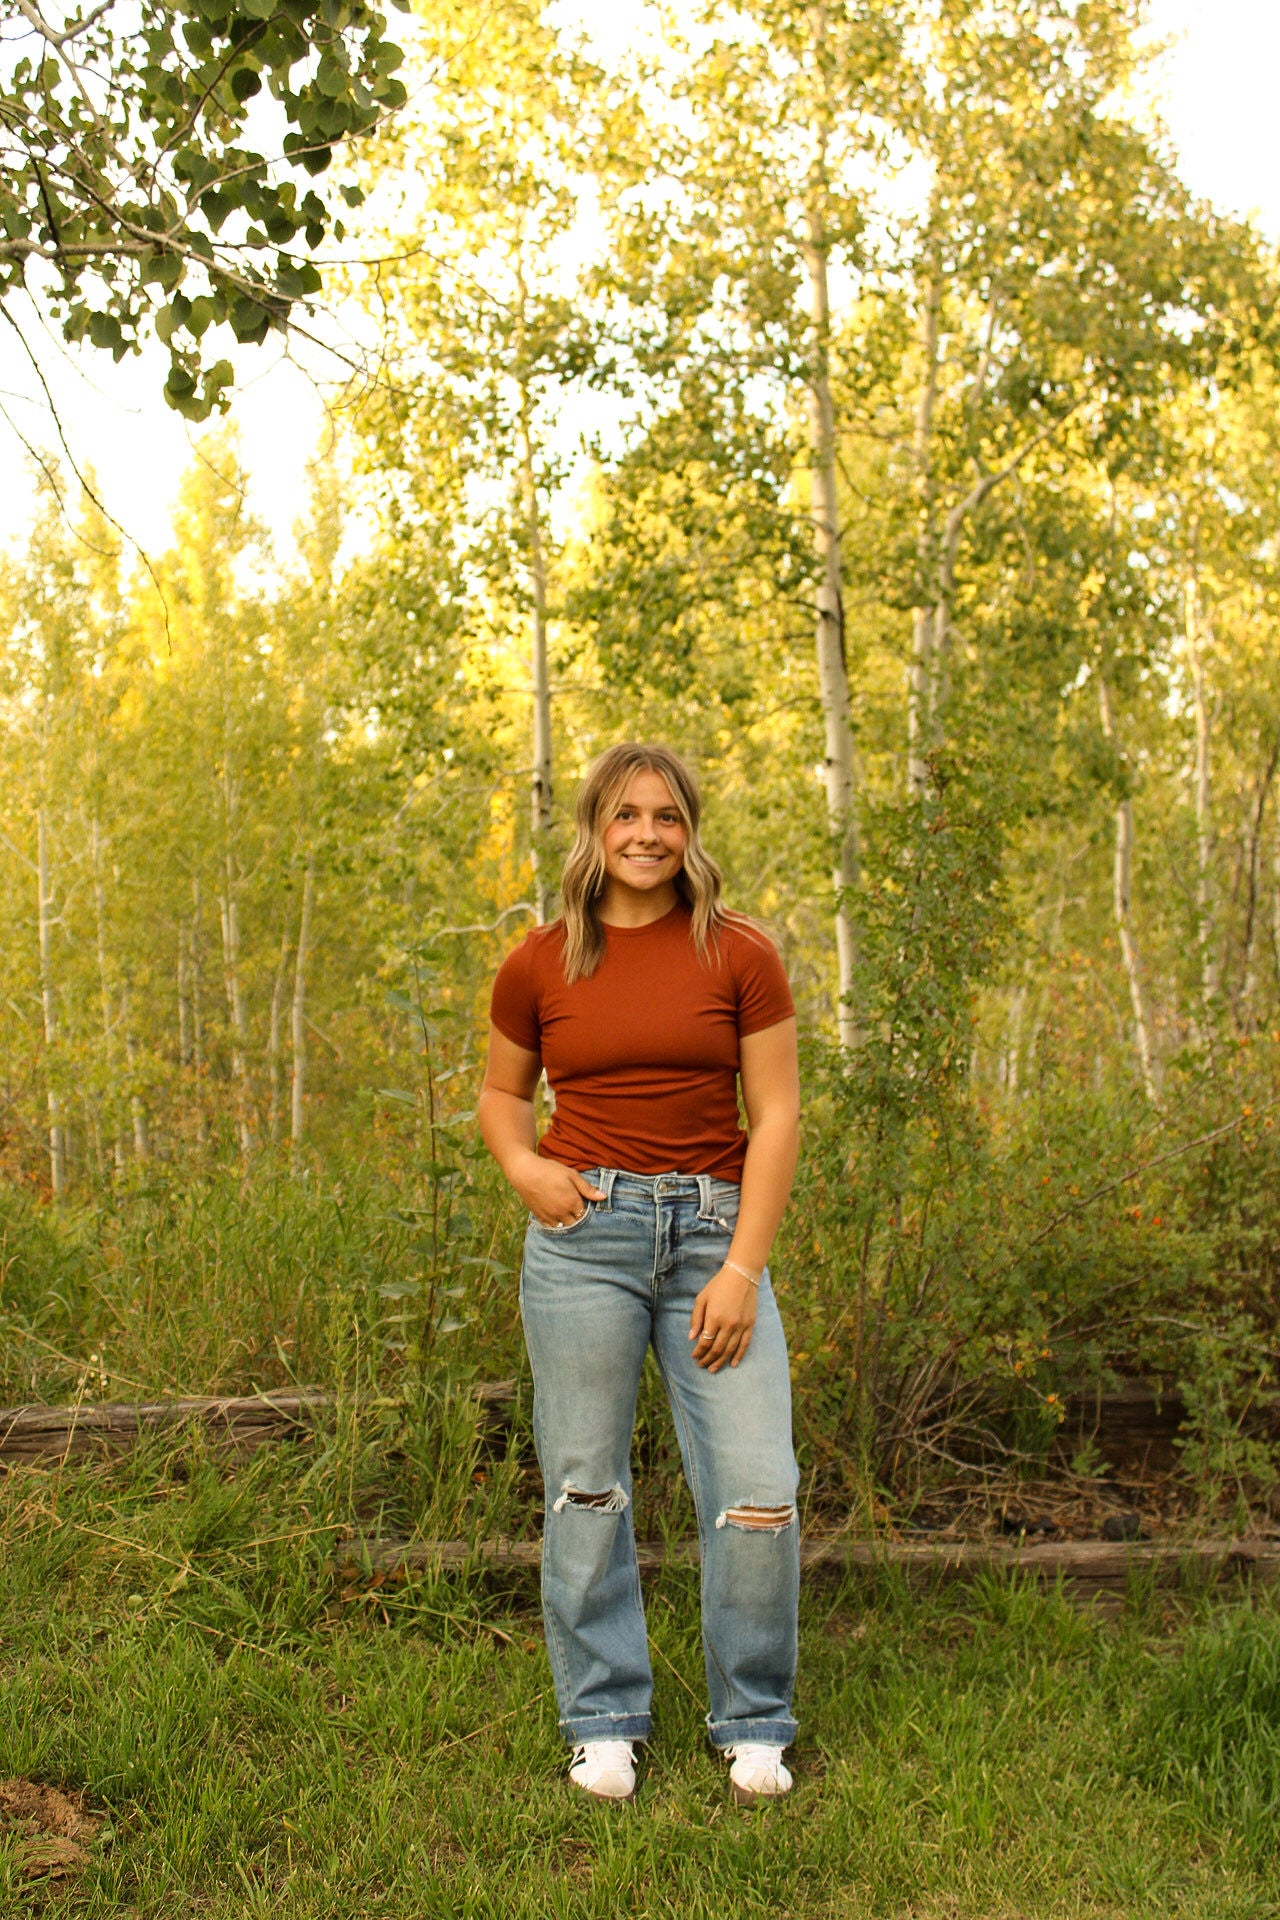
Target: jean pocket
pixel 571 1227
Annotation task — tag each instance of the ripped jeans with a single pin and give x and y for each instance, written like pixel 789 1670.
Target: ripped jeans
pixel 593 1297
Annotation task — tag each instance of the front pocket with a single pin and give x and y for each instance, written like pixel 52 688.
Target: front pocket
pixel 561 1232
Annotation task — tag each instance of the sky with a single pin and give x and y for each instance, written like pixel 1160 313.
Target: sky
pixel 1218 100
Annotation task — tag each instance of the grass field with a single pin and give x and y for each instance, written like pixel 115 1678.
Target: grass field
pixel 260 1743
pixel 252 1739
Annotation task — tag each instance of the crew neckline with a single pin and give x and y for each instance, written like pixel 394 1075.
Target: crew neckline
pixel 649 926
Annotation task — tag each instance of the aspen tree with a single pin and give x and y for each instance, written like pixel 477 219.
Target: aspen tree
pixel 488 324
pixel 1122 905
pixel 775 111
pixel 1040 272
pixel 297 1105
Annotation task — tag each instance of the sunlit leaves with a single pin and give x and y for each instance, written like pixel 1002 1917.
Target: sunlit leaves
pixel 122 168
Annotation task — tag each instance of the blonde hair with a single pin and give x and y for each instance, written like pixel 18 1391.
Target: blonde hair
pixel 698 882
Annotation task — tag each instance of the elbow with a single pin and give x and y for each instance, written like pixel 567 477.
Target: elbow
pixel 780 1120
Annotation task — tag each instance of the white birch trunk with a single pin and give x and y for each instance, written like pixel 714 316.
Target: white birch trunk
pixel 275 1070
pixel 540 786
pixel 137 1106
pixel 1121 898
pixel 839 763
pixel 230 910
pixel 298 1111
pixel 920 700
pixel 49 1005
pixel 105 995
pixel 196 983
pixel 1209 974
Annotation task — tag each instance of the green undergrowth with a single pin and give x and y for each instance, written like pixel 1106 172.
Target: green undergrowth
pixel 956 1344
pixel 263 1742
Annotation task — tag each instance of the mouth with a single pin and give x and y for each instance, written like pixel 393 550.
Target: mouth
pixel 646 859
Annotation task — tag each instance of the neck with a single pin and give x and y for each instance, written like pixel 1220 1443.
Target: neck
pixel 621 907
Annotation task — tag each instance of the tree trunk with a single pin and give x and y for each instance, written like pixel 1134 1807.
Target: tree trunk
pixel 1248 967
pixel 1123 874
pixel 1210 979
pixel 137 1106
pixel 919 690
pixel 540 787
pixel 105 996
pixel 839 765
pixel 298 1115
pixel 275 1071
pixel 196 982
pixel 49 1004
pixel 235 1000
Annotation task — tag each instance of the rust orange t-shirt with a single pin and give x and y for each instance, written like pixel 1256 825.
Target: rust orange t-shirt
pixel 643 1055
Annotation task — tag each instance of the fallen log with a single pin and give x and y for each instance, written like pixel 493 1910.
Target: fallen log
pixel 240 1423
pixel 1096 1565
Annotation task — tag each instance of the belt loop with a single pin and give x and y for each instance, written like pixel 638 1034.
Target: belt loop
pixel 706 1209
pixel 605 1177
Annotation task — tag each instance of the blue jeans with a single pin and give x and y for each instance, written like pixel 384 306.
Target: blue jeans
pixel 594 1296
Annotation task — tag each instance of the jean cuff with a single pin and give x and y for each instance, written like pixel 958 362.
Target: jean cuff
pixel 607 1726
pixel 764 1733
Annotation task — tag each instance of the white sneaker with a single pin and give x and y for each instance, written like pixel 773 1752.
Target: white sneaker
pixel 606 1768
pixel 757 1773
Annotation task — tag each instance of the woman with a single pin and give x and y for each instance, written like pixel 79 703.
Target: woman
pixel 651 1218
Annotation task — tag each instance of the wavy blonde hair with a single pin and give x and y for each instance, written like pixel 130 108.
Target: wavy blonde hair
pixel 698 882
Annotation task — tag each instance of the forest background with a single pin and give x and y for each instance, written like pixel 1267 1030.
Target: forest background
pixel 854 397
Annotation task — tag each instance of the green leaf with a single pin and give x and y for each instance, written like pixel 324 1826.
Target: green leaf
pixel 332 78
pixel 250 320
pixel 398 1093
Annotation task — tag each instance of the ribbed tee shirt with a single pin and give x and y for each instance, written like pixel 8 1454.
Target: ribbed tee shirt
pixel 643 1056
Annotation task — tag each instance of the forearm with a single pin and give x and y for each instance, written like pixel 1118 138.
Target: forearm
pixel 508 1128
pixel 767 1174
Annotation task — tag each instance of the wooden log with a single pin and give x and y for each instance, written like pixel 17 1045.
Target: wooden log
pixel 241 1422
pixel 1086 1564
pixel 238 1422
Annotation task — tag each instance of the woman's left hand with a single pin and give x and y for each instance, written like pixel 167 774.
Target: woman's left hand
pixel 724 1315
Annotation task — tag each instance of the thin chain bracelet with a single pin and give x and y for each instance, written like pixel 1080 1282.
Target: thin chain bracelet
pixel 753 1278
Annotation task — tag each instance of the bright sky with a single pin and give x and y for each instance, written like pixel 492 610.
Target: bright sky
pixel 1219 102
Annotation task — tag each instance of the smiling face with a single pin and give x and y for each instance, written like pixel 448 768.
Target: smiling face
pixel 643 847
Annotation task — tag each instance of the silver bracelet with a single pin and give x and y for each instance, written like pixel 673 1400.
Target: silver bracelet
pixel 752 1277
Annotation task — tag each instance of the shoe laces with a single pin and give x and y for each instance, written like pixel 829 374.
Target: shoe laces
pixel 757 1760
pixel 610 1754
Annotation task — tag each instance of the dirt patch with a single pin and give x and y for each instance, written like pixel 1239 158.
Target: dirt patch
pixel 50 1831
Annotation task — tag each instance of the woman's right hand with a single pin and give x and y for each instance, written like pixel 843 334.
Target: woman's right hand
pixel 555 1195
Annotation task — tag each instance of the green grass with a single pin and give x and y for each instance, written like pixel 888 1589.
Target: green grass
pixel 173 1645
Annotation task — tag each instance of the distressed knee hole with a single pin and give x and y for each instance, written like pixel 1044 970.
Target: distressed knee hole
pixel 758 1519
pixel 612 1500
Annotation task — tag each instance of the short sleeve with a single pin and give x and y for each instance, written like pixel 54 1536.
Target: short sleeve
pixel 513 1005
pixel 764 992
